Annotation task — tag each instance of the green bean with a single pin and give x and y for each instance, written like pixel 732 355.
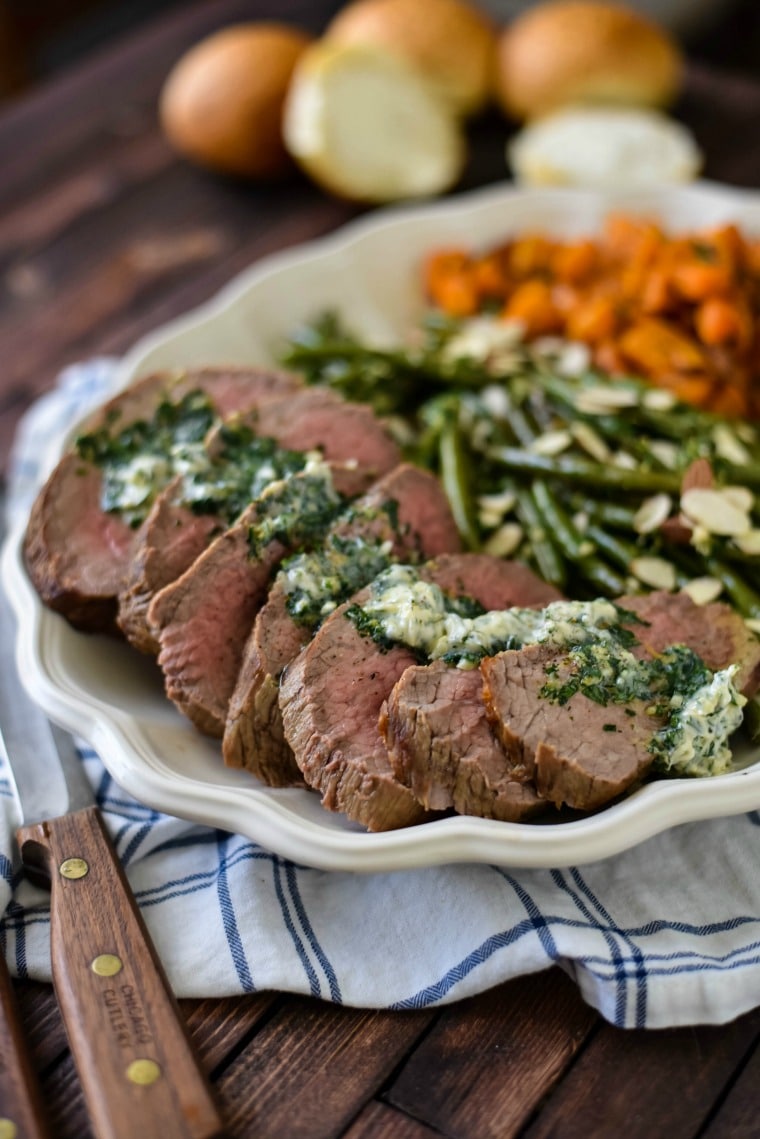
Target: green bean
pixel 585 473
pixel 590 565
pixel 457 483
pixel 550 563
pixel 744 597
pixel 607 513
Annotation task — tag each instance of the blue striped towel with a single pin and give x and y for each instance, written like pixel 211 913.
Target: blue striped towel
pixel 665 934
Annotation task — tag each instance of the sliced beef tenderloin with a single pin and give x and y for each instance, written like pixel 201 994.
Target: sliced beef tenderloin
pixel 202 620
pixel 408 510
pixel 715 632
pixel 168 542
pixel 581 754
pixel 75 553
pixel 332 694
pixel 339 429
pixel 173 535
pixel 442 746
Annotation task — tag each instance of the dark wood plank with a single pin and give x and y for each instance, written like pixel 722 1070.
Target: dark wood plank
pixel 485 1066
pixel 312 1068
pixel 101 94
pixel 64 1102
pixel 737 1114
pixel 673 1076
pixel 218 1027
pixel 42 1022
pixel 379 1121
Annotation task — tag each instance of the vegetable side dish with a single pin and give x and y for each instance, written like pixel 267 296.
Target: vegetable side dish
pixel 681 311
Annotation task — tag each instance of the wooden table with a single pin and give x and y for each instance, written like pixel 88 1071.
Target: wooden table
pixel 103 235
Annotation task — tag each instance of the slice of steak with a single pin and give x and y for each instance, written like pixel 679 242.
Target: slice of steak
pixel 173 535
pixel 201 621
pixel 715 632
pixel 77 554
pixel 168 542
pixel 442 746
pixel 580 753
pixel 408 510
pixel 332 694
pixel 339 429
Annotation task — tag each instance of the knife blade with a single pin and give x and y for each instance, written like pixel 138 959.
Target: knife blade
pixel 134 1058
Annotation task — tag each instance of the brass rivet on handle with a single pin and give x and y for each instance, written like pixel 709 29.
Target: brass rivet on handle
pixel 106 965
pixel 8 1129
pixel 143 1072
pixel 73 868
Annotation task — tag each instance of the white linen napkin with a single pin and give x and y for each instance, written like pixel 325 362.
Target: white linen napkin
pixel 665 934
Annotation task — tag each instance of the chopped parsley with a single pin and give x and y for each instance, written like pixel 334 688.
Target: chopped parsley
pixel 295 510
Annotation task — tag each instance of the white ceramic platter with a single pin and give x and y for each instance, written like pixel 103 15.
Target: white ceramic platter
pixel 114 697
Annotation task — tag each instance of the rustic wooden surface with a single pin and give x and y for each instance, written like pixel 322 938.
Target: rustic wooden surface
pixel 103 235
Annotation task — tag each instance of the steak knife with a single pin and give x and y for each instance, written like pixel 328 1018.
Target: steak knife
pixel 138 1071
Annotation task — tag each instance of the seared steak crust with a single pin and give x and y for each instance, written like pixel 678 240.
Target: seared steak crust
pixel 253 736
pixel 76 555
pixel 442 746
pixel 332 694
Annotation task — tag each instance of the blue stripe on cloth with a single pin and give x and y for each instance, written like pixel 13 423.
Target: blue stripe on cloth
pixel 431 994
pixel 22 970
pixel 135 842
pixel 6 870
pixel 101 791
pixel 640 972
pixel 540 922
pixel 619 973
pixel 229 920
pixel 203 880
pixel 306 926
pixel 314 984
pixel 132 812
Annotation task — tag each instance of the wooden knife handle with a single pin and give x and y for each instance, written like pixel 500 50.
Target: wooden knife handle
pixel 135 1061
pixel 21 1113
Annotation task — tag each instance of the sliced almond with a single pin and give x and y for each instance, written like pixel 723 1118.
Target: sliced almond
pixel 677 529
pixel 703 590
pixel 715 511
pixel 729 446
pixel 741 496
pixel 655 572
pixel 697 474
pixel 505 540
pixel 606 400
pixel 652 513
pixel 753 623
pixel 625 461
pixel 591 442
pixel 666 452
pixel 574 359
pixel 500 503
pixel 551 442
pixel 659 399
pixel 749 543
